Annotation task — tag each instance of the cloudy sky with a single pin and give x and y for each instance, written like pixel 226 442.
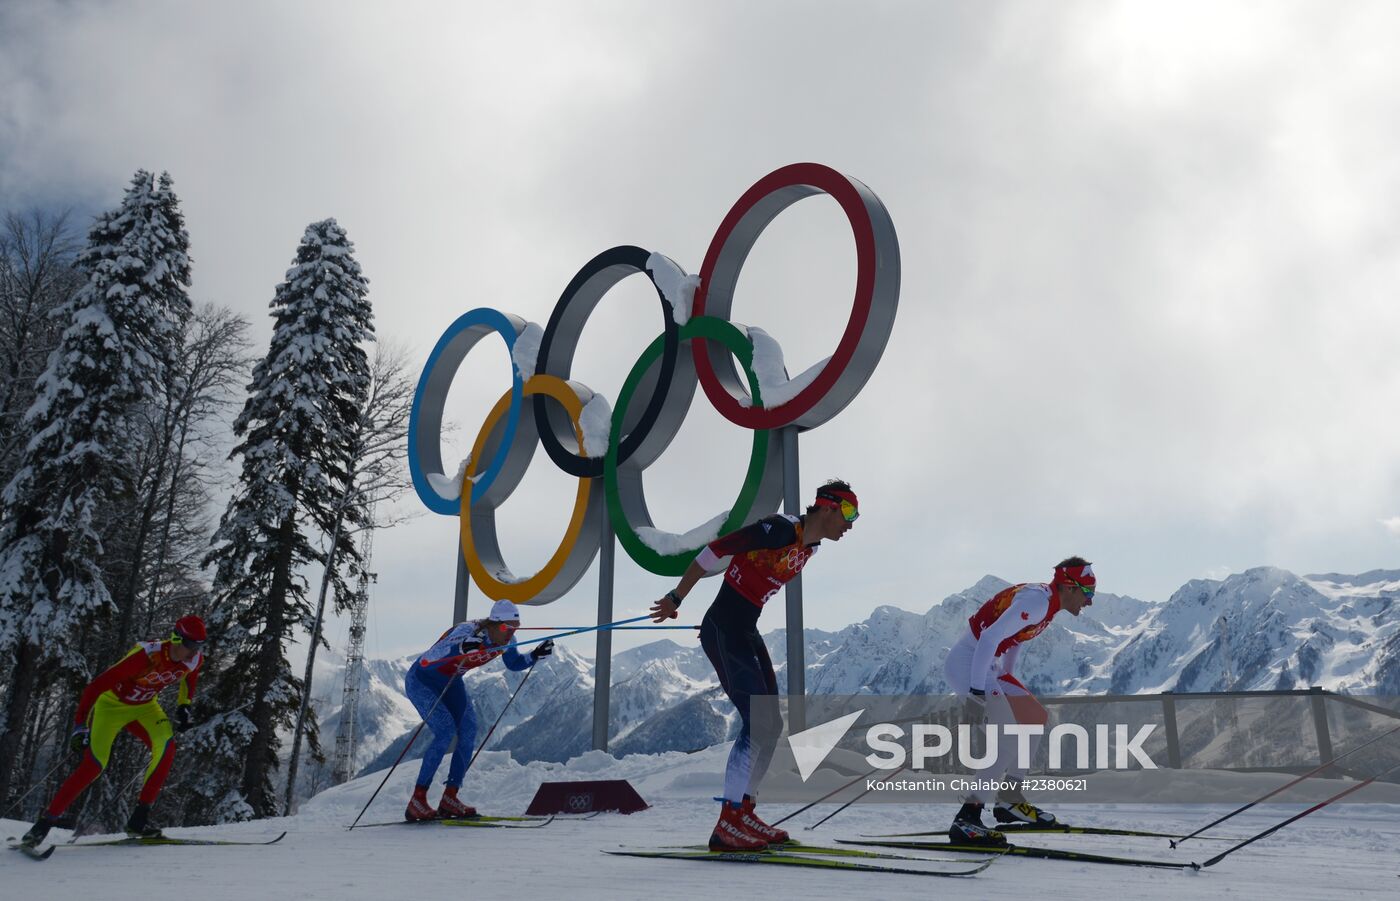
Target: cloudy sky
pixel 1150 251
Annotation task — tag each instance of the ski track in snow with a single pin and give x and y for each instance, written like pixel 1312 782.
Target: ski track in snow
pixel 1341 852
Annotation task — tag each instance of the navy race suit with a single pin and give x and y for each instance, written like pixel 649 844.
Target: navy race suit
pixel 765 556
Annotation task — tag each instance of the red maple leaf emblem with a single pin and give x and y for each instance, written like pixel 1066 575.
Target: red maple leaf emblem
pixel 1025 615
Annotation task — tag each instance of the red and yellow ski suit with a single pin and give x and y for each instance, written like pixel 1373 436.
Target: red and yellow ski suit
pixel 124 699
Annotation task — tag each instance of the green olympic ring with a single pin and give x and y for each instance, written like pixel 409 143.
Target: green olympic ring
pixel 704 328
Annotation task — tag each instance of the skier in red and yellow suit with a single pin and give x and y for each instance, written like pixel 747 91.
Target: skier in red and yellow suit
pixel 124 698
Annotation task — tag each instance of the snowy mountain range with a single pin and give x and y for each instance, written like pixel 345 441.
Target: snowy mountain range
pixel 1264 628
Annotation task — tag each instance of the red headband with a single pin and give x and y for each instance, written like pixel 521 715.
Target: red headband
pixel 1079 575
pixel 832 497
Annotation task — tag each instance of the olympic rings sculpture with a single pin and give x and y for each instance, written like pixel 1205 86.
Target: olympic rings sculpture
pixel 655 397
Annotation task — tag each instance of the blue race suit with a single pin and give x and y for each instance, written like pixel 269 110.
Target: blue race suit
pixel 438 673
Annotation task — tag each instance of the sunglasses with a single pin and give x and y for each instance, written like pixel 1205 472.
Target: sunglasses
pixel 187 642
pixel 1087 589
pixel 849 511
pixel 506 627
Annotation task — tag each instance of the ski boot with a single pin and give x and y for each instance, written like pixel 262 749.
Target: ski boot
pixel 1012 807
pixel 1023 812
pixel 967 829
pixel 771 834
pixel 731 834
pixel 38 832
pixel 136 825
pixel 451 808
pixel 418 807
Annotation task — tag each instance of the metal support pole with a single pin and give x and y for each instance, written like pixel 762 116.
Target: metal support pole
pixel 464 579
pixel 602 665
pixel 1324 736
pixel 796 647
pixel 1173 739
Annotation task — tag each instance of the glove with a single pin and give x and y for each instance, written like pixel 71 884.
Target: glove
pixel 974 711
pixel 78 741
pixel 183 718
pixel 543 649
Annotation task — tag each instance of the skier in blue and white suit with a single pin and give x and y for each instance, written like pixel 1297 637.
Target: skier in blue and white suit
pixel 438 674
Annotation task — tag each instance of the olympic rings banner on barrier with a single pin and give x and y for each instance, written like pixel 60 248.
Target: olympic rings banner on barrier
pixel 547 406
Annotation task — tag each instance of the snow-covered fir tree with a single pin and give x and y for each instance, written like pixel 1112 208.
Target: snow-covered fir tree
pixel 296 431
pixel 150 450
pixel 38 273
pixel 121 330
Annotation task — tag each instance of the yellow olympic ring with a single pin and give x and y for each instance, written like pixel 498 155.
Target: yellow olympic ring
pixel 524 591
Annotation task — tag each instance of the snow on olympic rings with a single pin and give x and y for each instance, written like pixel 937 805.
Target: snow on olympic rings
pixel 571 422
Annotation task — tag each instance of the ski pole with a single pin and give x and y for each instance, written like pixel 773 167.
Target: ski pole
pixel 41 780
pixel 599 628
pixel 196 730
pixel 1309 773
pixel 399 759
pixel 522 644
pixel 1316 807
pixel 498 719
pixel 615 628
pixel 856 798
pixel 565 634
pixel 78 820
pixel 824 797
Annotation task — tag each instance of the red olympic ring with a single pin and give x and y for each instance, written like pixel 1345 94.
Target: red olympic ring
pixel 872 313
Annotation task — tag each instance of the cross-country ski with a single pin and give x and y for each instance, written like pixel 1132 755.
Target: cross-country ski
pixel 857 853
pixel 785 859
pixel 482 822
pixel 1025 851
pixel 1044 829
pixel 31 851
pixel 151 841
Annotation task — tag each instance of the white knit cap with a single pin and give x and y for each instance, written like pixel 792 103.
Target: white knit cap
pixel 504 611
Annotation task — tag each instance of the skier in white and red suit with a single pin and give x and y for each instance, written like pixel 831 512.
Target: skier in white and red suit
pixel 980 669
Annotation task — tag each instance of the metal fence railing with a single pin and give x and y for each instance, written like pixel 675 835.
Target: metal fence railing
pixel 1244 731
pixel 1287 731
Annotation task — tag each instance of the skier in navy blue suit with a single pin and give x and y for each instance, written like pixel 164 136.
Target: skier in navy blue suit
pixel 438 674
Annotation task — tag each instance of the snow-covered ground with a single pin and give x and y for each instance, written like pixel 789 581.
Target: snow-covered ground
pixel 1345 851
